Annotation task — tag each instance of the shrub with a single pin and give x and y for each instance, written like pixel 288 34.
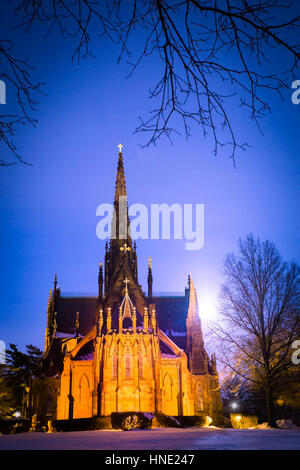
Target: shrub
pixel 131 420
pixel 198 421
pixel 242 421
pixel 14 426
pixel 82 424
pixel 164 421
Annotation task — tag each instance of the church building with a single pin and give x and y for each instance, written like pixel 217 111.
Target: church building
pixel 124 350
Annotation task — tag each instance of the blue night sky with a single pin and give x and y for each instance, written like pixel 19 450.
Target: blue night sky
pixel 48 210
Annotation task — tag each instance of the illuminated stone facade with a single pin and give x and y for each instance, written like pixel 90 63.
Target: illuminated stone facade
pixel 124 350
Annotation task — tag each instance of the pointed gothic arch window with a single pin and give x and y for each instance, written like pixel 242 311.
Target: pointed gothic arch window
pixel 168 387
pixel 84 389
pixel 140 365
pixel 49 400
pixel 199 391
pixel 115 364
pixel 127 364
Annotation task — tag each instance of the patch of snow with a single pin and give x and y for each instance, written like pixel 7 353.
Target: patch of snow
pixel 175 420
pixel 286 424
pixel 157 439
pixel 174 333
pixel 85 357
pixel 60 334
pixel 148 415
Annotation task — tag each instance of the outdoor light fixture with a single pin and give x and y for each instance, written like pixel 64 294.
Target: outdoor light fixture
pixel 17 414
pixel 234 405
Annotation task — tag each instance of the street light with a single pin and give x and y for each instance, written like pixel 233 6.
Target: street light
pixel 234 405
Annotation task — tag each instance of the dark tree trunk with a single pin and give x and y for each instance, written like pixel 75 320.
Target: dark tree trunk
pixel 270 407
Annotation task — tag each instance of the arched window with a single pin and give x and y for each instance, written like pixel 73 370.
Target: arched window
pixel 200 397
pixel 140 365
pixel 115 364
pixel 168 387
pixel 127 364
pixel 84 389
pixel 49 400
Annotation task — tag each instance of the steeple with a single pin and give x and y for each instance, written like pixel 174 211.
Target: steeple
pixel 120 221
pixel 121 253
pixel 197 357
pixel 193 312
pixel 49 322
pixel 120 189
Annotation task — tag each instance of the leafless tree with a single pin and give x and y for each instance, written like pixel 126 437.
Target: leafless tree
pixel 260 315
pixel 209 51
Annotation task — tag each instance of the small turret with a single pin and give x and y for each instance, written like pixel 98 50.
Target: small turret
pixel 54 325
pixel 48 333
pixel 77 325
pixel 134 319
pixel 100 282
pixel 146 319
pixel 55 295
pixel 134 258
pixel 170 324
pixel 120 320
pixel 150 281
pixel 100 322
pixel 153 320
pixel 108 319
pixel 213 364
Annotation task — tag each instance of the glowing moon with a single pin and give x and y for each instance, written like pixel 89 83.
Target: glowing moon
pixel 207 304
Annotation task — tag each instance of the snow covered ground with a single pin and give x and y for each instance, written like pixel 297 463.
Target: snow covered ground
pixel 162 439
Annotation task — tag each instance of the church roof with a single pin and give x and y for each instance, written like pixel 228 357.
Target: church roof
pixel 170 311
pixel 66 314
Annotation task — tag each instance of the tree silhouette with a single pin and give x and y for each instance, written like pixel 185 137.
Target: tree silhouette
pixel 15 375
pixel 260 316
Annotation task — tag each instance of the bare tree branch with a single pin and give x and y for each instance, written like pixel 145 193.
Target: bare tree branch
pixel 16 72
pixel 211 53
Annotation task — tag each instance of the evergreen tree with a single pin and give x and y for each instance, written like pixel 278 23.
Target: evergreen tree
pixel 14 377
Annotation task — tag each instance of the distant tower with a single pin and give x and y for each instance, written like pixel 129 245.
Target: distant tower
pixel 195 346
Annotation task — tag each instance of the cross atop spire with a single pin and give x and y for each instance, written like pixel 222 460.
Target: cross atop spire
pixel 126 307
pixel 120 146
pixel 126 281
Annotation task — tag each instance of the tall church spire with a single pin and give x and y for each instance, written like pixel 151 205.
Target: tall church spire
pixel 195 347
pixel 120 221
pixel 120 181
pixel 193 312
pixel 121 254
